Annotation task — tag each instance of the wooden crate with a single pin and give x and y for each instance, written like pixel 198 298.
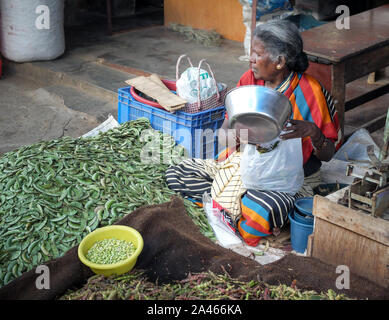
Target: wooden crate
pixel 343 236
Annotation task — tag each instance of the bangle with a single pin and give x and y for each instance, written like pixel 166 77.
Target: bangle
pixel 319 145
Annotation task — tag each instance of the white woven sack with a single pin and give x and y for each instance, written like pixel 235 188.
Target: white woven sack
pixel 32 30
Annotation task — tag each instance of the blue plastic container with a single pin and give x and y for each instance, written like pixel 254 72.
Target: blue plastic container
pixel 299 233
pixel 304 205
pixel 303 218
pixel 196 132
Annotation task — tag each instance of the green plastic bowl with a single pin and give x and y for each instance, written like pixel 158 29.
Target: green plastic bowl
pixel 118 232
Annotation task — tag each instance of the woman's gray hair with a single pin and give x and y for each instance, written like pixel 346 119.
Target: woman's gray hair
pixel 282 38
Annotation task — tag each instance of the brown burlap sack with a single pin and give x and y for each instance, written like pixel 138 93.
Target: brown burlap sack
pixel 173 247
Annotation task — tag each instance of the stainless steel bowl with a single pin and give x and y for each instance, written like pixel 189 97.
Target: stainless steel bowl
pixel 260 110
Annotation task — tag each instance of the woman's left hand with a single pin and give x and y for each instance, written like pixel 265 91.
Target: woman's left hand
pixel 324 148
pixel 301 129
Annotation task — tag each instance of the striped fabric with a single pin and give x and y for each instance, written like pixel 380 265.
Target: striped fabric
pixel 192 177
pixel 252 213
pixel 227 187
pixel 309 103
pixel 261 212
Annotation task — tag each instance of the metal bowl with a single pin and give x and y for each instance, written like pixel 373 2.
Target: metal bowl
pixel 260 110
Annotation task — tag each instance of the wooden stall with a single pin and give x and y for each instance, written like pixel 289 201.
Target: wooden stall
pixel 344 236
pixel 339 56
pixel 223 16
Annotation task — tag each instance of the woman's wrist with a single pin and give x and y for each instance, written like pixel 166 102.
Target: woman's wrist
pixel 323 147
pixel 317 138
pixel 324 150
pixel 316 135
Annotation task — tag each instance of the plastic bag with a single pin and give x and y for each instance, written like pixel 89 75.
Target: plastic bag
pixel 278 170
pixel 188 84
pixel 223 231
pixel 354 149
pixel 209 94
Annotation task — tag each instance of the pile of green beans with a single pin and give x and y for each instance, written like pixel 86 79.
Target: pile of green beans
pixel 108 251
pixel 53 193
pixel 135 285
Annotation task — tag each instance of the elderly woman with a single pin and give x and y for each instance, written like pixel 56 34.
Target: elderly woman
pixel 277 61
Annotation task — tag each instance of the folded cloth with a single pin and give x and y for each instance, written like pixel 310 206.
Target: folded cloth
pixel 192 177
pixel 227 188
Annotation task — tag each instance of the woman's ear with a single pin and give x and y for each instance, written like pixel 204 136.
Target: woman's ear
pixel 281 63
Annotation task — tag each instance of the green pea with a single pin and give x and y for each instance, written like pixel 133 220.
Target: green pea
pixel 109 251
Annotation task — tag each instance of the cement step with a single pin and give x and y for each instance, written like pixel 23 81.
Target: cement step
pixel 80 101
pixel 71 71
pixel 32 112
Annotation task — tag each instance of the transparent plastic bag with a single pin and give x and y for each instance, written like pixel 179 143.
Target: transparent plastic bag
pixel 188 84
pixel 224 233
pixel 278 170
pixel 354 149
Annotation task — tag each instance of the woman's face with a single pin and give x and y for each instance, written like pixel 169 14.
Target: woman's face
pixel 260 63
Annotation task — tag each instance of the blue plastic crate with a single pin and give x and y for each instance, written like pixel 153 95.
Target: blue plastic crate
pixel 196 132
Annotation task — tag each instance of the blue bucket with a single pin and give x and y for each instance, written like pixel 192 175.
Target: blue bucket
pixel 304 205
pixel 299 233
pixel 302 218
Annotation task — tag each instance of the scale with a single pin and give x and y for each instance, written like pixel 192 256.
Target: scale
pixel 370 190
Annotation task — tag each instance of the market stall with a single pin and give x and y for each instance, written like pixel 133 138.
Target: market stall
pixel 55 193
pixel 56 196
